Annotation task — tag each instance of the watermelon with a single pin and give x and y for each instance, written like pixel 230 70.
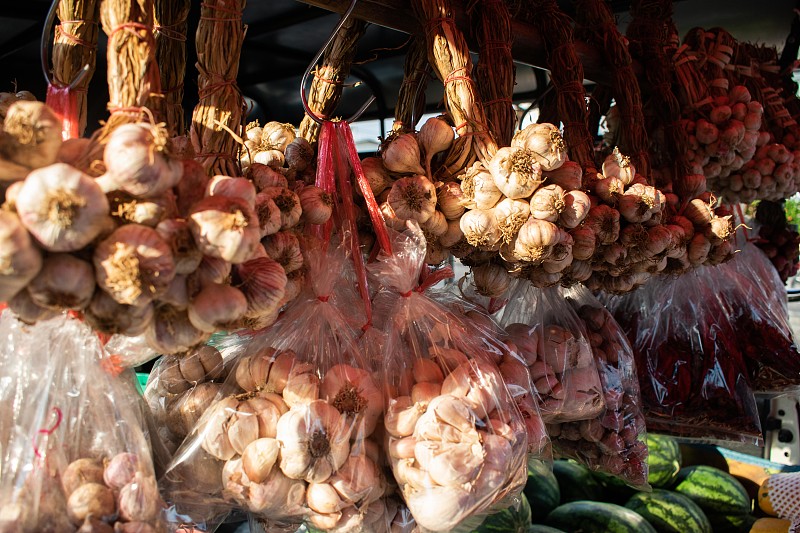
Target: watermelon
pixel 731 523
pixel 539 528
pixel 670 512
pixel 597 517
pixel 614 489
pixel 515 519
pixel 663 460
pixel 715 491
pixel 541 489
pixel 576 482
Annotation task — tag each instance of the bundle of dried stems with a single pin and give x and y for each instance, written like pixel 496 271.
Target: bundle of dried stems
pixel 449 56
pixel 75 45
pixel 326 87
pixel 566 71
pixel 648 32
pixel 599 27
pixel 170 33
pixel 411 98
pixel 133 79
pixel 713 51
pixel 495 72
pixel 220 109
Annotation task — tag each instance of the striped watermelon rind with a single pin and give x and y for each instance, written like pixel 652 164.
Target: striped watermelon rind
pixel 515 519
pixel 541 489
pixel 663 460
pixel 576 482
pixel 715 491
pixel 670 512
pixel 597 516
pixel 540 528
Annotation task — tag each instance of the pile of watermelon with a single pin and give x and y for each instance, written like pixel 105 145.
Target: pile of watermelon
pixel 685 499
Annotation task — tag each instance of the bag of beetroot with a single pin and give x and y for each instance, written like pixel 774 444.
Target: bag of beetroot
pixel 552 341
pixel 293 435
pixel 82 459
pixel 692 373
pixel 454 438
pixel 614 442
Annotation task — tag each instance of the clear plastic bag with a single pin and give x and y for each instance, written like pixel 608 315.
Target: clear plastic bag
pixel 753 290
pixel 95 463
pixel 692 374
pixel 511 364
pixel 180 388
pixel 614 442
pixel 293 435
pixel 551 340
pixel 455 439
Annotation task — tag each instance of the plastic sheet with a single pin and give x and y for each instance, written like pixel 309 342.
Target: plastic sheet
pixel 455 439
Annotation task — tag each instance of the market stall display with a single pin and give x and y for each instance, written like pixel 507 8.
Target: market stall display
pixel 310 372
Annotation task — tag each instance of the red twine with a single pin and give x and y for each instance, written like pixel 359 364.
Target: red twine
pixel 428 278
pixel 131 27
pixel 47 431
pixel 170 33
pixel 72 37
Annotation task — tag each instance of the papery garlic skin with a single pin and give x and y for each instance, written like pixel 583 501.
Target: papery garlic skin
pixel 20 261
pixel 32 134
pixel 314 441
pixel 277 136
pixel 226 228
pixel 63 208
pixel 480 227
pixel 511 215
pixel 284 247
pixel 516 173
pixel 402 155
pixel 478 188
pixel 546 144
pixel 491 280
pixel 413 198
pixel 170 331
pixel 353 392
pixel 178 235
pixel 232 188
pixel 217 307
pixel 108 316
pixel 135 161
pixel 263 283
pixel 134 265
pixel 317 205
pixel 288 203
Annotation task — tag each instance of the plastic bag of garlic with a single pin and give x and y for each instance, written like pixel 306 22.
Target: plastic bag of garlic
pixel 614 442
pixel 454 438
pixel 73 451
pixel 552 340
pixel 294 435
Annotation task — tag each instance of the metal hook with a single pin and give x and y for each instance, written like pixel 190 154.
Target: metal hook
pixel 45 55
pixel 316 118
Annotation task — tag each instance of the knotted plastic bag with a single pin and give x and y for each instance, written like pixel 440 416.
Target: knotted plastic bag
pixel 614 441
pixel 84 447
pixel 455 439
pixel 292 436
pixel 552 340
pixel 692 374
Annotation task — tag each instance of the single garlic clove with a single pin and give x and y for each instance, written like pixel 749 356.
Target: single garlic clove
pixel 423 393
pixel 439 508
pixel 302 388
pixel 402 448
pixel 258 459
pixel 322 498
pixel 401 417
pixel 426 370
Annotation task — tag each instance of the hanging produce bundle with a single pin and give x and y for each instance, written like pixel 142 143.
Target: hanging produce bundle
pixel 276 146
pixel 551 339
pixel 693 374
pixel 614 442
pixel 152 246
pixel 291 436
pixel 75 457
pixel 455 440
